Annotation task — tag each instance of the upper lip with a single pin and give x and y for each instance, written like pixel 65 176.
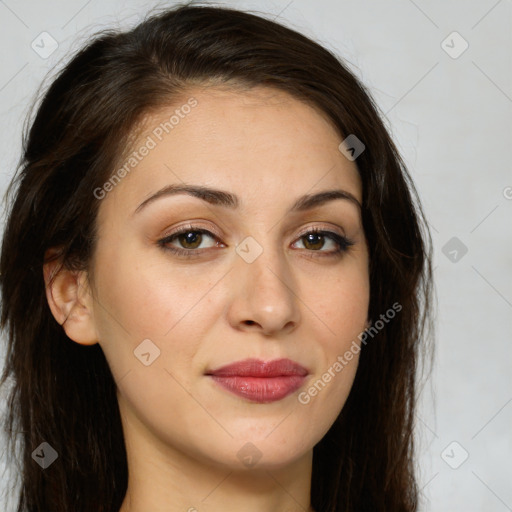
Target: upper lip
pixel 258 368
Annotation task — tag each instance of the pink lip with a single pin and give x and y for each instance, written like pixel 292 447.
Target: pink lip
pixel 260 381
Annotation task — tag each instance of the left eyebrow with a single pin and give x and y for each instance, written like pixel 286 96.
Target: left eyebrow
pixel 226 199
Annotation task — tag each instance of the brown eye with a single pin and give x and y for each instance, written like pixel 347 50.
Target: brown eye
pixel 187 240
pixel 190 239
pixel 315 240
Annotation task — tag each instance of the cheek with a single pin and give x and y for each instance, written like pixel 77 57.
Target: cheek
pixel 340 310
pixel 340 300
pixel 140 301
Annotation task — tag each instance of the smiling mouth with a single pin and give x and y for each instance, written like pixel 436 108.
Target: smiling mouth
pixel 260 381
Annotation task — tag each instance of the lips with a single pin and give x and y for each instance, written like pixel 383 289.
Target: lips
pixel 260 381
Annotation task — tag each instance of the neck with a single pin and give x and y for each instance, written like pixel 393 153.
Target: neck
pixel 198 488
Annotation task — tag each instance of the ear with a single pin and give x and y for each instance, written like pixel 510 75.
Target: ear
pixel 71 302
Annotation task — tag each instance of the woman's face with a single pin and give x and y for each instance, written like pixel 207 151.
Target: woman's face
pixel 171 310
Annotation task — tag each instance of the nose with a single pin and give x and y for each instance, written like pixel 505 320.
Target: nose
pixel 264 296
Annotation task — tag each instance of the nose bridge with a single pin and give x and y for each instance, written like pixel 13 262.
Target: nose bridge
pixel 264 284
pixel 268 269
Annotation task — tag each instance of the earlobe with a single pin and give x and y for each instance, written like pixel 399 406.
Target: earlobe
pixel 70 301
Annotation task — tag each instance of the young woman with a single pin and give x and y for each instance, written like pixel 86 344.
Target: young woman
pixel 215 280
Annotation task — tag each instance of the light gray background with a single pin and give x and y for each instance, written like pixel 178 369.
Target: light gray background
pixel 452 120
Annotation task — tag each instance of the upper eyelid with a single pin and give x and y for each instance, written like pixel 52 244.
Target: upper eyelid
pixel 187 228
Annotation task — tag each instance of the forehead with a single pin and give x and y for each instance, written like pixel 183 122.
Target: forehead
pixel 261 144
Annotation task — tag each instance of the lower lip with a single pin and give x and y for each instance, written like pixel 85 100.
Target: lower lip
pixel 261 389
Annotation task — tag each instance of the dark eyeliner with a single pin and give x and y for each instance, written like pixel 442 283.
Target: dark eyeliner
pixel 341 241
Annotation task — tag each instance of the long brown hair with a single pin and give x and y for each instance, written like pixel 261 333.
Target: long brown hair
pixel 63 392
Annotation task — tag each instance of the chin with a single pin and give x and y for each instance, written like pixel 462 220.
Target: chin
pixel 266 452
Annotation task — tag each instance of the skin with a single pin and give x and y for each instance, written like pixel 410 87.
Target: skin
pixel 182 431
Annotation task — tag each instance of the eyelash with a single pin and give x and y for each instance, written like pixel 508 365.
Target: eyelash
pixel 343 242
